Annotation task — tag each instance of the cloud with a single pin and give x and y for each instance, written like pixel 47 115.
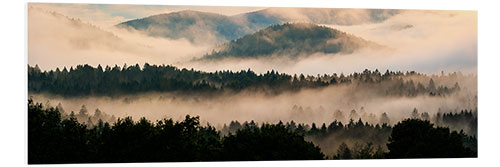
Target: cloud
pixel 337 16
pixel 428 41
pixel 223 10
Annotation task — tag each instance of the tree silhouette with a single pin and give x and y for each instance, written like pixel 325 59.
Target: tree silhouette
pixel 414 138
pixel 343 152
pixel 269 142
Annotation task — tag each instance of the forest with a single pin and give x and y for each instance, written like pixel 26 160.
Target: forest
pixel 87 136
pixel 85 80
pixel 55 138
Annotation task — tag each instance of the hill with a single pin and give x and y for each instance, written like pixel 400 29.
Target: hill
pixel 192 25
pixel 293 40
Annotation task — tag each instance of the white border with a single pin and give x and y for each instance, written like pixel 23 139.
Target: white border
pixel 13 74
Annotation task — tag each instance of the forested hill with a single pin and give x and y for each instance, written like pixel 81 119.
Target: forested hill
pixel 87 80
pixel 293 40
pixel 192 25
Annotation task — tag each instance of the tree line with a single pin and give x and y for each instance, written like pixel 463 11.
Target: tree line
pixel 457 120
pixel 362 140
pixel 83 116
pixel 369 132
pixel 85 80
pixel 52 139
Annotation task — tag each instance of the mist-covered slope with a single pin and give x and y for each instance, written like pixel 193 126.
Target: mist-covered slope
pixel 192 25
pixel 46 27
pixel 334 16
pixel 292 40
pixel 58 40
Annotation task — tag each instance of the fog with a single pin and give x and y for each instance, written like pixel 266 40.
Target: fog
pixel 337 16
pixel 316 105
pixel 426 41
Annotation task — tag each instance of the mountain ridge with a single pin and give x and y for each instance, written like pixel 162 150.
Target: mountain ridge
pixel 212 27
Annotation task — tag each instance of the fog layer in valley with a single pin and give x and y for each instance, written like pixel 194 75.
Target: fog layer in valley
pixel 319 105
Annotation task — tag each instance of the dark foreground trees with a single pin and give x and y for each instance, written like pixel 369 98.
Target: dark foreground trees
pixel 414 138
pixel 269 142
pixel 53 140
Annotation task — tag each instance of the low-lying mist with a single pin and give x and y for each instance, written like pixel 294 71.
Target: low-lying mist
pixel 319 105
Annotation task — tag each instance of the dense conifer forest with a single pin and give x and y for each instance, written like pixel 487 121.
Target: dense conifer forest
pixel 84 80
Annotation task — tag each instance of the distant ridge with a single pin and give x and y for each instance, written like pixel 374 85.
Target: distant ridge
pixel 192 25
